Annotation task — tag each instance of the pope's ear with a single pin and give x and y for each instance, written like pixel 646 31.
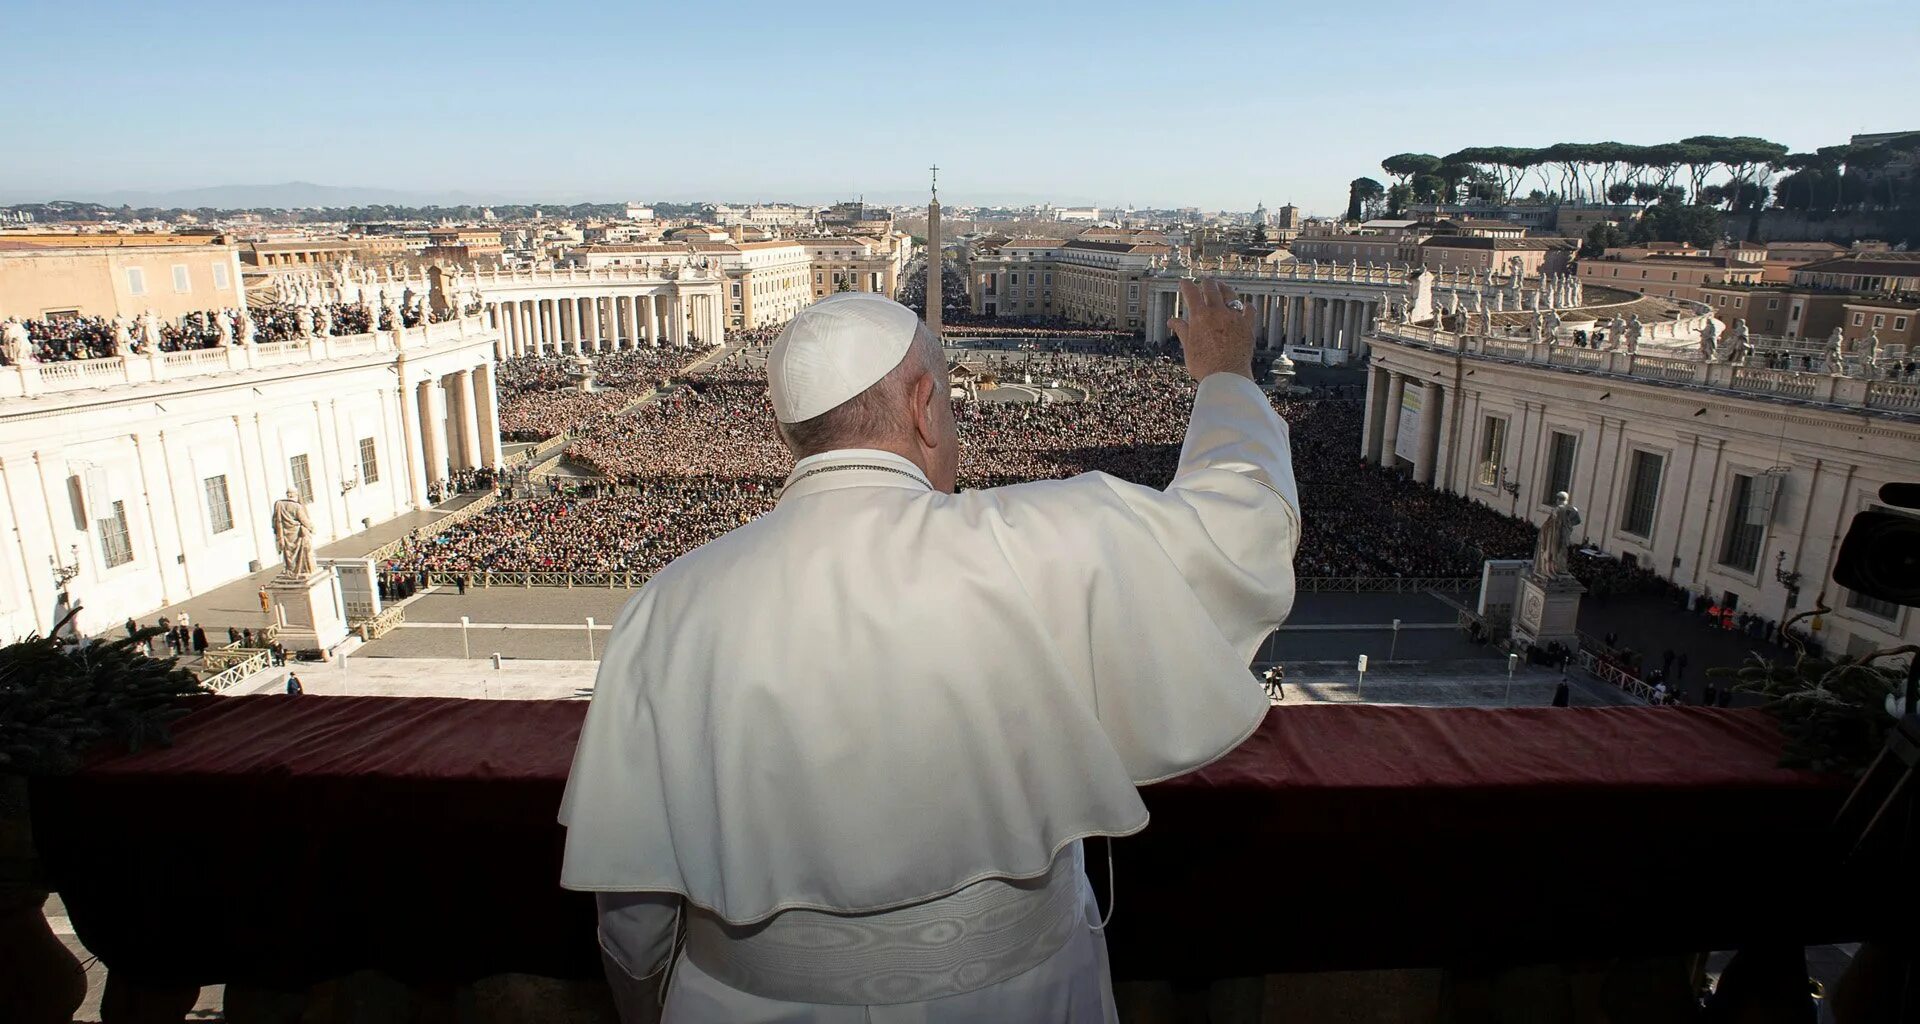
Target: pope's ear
pixel 921 392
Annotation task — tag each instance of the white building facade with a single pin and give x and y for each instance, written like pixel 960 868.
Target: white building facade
pixel 154 477
pixel 1734 481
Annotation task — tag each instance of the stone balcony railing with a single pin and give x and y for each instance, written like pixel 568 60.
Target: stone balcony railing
pixel 1665 367
pixel 497 278
pixel 35 379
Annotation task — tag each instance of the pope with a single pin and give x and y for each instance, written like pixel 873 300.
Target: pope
pixel 840 762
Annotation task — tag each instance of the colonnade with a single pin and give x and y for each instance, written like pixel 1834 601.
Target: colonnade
pixel 1281 319
pixel 451 422
pixel 1387 438
pixel 604 320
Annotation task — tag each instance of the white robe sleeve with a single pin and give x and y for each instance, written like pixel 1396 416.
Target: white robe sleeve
pixel 1158 600
pixel 637 928
pixel 1230 521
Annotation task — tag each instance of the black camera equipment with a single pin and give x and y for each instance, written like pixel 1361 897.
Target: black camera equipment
pixel 1880 558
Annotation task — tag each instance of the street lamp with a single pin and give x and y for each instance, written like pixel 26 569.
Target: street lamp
pixel 1394 648
pixel 1513 662
pixel 1362 667
pixel 465 651
pixel 589 638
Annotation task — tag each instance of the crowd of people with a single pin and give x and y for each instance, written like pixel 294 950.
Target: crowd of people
pixel 540 395
pixel 68 338
pixel 704 456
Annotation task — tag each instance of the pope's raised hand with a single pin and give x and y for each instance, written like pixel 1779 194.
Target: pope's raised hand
pixel 1217 331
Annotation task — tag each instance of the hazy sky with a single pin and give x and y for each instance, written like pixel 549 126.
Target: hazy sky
pixel 1217 105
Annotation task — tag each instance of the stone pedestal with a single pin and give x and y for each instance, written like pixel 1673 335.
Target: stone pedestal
pixel 1548 611
pixel 308 612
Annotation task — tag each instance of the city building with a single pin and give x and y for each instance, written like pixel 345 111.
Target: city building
pixel 304 252
pixel 841 263
pixel 1086 282
pixel 1868 294
pixel 856 218
pixel 1479 252
pixel 1706 477
pixel 774 215
pixel 766 282
pixel 96 275
pixel 639 211
pixel 479 243
pixel 1668 276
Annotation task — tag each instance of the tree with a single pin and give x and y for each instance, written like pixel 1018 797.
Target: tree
pixel 1603 236
pixel 1403 166
pixel 1397 199
pixel 1619 192
pixel 1361 194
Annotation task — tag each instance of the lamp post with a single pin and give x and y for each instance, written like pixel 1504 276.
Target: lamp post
pixel 1513 662
pixel 589 638
pixel 465 651
pixel 1394 647
pixel 1362 668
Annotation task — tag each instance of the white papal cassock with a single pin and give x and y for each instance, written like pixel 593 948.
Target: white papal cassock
pixel 849 749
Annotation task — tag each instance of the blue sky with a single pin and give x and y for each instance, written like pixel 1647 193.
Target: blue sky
pixel 1217 105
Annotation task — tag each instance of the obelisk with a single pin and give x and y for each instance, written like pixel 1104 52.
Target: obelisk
pixel 933 256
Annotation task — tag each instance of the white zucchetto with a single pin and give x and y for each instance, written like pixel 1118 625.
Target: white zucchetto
pixel 835 349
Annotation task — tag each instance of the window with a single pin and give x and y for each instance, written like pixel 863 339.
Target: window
pixel 1859 319
pixel 736 289
pixel 1643 493
pixel 1738 301
pixel 300 478
pixel 1493 447
pixel 219 505
pixel 115 548
pixel 1723 300
pixel 1560 465
pixel 1873 606
pixel 1745 526
pixel 1879 320
pixel 1773 303
pixel 1676 275
pixel 1899 323
pixel 136 281
pixel 1793 315
pixel 182 281
pixel 369 462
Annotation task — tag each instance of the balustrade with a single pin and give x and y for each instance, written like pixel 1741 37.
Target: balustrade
pixel 1897 397
pixel 81 374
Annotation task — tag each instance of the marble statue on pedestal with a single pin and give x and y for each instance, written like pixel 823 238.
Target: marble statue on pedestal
pixel 1479 300
pixel 1634 328
pixel 1836 353
pixel 303 321
pixel 1552 548
pixel 15 345
pixel 243 326
pixel 149 332
pixel 1738 346
pixel 1870 348
pixel 223 323
pixel 1709 340
pixel 122 337
pixel 323 321
pixel 293 534
pixel 1500 300
pixel 1551 321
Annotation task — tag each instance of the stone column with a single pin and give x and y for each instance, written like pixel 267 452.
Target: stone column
pixel 1297 321
pixel 1390 429
pixel 653 322
pixel 486 404
pixel 549 332
pixel 1427 449
pixel 1274 338
pixel 433 431
pixel 471 455
pixel 415 464
pixel 676 320
pixel 1373 426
